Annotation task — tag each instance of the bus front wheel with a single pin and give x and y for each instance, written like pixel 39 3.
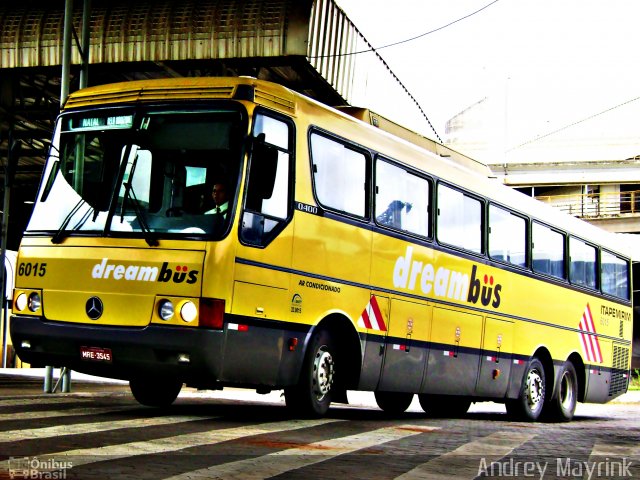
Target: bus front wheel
pixel 393 403
pixel 155 392
pixel 312 395
pixel 563 405
pixel 528 405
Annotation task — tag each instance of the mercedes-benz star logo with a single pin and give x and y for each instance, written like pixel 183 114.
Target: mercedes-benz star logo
pixel 94 308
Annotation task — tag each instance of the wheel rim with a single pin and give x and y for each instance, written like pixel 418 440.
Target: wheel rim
pixel 567 389
pixel 323 372
pixel 535 389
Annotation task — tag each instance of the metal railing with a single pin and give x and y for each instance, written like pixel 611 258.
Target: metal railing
pixel 594 205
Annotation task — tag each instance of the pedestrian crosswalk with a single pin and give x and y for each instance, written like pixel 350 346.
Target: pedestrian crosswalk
pixel 282 461
pixel 94 437
pixel 40 400
pixel 491 448
pixel 71 412
pixel 95 427
pixel 179 442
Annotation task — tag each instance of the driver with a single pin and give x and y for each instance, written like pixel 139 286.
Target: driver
pixel 219 195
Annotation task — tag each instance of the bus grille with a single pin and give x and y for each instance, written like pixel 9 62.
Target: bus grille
pixel 619 374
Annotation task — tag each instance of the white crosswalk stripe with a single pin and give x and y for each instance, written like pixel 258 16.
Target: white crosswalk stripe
pixel 39 415
pixel 467 460
pixel 82 428
pixel 84 456
pixel 603 450
pixel 293 458
pixel 41 400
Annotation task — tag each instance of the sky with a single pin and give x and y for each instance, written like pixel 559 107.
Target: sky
pixel 544 65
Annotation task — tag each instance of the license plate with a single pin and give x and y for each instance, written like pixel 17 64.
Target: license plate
pixel 96 354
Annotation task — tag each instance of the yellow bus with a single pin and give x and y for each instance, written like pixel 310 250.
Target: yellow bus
pixel 222 232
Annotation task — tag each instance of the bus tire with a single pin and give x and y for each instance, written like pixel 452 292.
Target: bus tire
pixel 311 397
pixel 393 403
pixel 444 405
pixel 155 392
pixel 562 406
pixel 528 405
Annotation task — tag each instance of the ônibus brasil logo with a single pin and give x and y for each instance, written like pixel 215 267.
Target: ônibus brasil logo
pixel 144 273
pixel 445 282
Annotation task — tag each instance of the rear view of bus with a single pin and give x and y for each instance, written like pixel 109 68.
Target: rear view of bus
pixel 125 269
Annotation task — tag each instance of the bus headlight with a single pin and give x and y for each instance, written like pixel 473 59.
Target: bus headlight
pixel 21 302
pixel 165 310
pixel 34 302
pixel 188 311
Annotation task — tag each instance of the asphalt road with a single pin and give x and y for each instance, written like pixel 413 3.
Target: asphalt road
pixel 99 431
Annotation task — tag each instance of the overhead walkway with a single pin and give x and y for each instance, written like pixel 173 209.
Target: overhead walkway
pixel 310 46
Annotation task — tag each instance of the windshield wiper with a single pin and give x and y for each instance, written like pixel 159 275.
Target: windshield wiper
pixel 151 240
pixel 62 233
pixel 129 194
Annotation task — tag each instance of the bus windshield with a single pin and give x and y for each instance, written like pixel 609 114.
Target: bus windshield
pixel 150 173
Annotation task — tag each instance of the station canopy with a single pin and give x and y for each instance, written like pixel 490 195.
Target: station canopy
pixel 310 46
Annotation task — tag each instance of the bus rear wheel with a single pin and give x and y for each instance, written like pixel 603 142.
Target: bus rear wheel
pixel 444 405
pixel 563 405
pixel 155 392
pixel 528 405
pixel 393 403
pixel 311 397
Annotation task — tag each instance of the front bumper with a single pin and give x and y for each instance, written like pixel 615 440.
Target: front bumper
pixel 152 350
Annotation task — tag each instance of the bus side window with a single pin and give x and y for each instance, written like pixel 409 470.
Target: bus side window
pixel 339 175
pixel 402 199
pixel 583 263
pixel 459 219
pixel 547 251
pixel 507 236
pixel 614 275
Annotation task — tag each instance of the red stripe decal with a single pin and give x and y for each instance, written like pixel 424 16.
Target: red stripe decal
pixel 365 319
pixel 378 313
pixel 597 342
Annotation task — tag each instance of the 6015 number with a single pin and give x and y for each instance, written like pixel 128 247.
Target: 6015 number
pixel 27 269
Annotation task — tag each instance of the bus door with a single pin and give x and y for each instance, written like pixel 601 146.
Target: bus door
pixel 406 349
pixel 453 363
pixel 495 361
pixel 261 286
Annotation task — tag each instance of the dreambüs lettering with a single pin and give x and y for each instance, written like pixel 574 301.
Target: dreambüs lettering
pixel 444 282
pixel 144 273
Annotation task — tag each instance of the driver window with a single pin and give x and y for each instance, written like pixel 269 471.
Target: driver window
pixel 267 203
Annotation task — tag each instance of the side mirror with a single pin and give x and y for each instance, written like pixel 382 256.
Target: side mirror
pixel 262 173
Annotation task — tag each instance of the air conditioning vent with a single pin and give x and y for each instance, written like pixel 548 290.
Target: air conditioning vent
pixel 620 370
pixel 277 101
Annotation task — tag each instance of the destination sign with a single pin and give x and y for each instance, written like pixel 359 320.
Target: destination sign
pixel 101 123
